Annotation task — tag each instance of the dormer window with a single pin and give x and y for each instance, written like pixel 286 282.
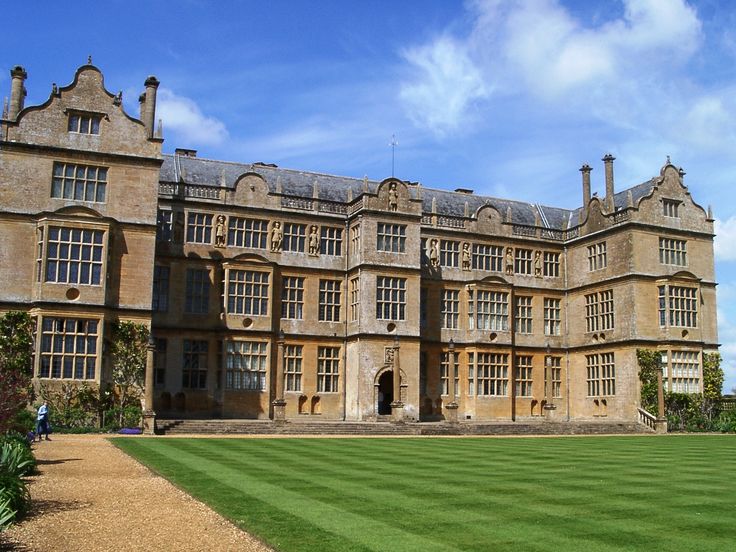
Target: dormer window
pixel 84 123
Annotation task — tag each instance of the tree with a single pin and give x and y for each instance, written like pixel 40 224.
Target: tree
pixel 129 350
pixel 16 356
pixel 712 384
pixel 649 361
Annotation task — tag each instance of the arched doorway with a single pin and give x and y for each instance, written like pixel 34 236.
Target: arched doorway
pixel 385 392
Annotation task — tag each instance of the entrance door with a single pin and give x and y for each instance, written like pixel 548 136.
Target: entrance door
pixel 385 392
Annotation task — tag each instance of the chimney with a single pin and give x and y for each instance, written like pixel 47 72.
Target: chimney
pixel 608 162
pixel 17 91
pixel 148 106
pixel 585 169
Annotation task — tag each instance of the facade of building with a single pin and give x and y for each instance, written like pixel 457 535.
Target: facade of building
pixel 276 293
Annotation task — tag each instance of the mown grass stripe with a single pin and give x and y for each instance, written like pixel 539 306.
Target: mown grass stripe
pixel 481 494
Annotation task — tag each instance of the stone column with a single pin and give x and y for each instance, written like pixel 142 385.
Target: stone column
pixel 149 416
pixel 397 407
pixel 548 392
pixel 452 406
pixel 279 404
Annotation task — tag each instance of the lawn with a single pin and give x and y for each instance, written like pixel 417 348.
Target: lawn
pixel 443 494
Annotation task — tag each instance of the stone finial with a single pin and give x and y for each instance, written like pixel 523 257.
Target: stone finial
pixel 668 162
pixel 710 212
pixel 434 205
pixel 118 98
pixel 629 199
pixel 89 60
pixel 350 194
pixel 223 180
pixel 315 189
pixel 537 218
pixel 508 213
pixel 681 172
pixel 365 183
pixel 467 210
pixel 279 185
pixel 419 190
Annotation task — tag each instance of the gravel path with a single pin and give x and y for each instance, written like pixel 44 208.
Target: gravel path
pixel 89 496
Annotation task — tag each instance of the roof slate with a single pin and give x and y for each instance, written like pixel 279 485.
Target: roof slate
pixel 207 172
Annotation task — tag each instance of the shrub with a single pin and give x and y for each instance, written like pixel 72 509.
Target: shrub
pixel 727 421
pixel 14 497
pixel 16 457
pixel 130 416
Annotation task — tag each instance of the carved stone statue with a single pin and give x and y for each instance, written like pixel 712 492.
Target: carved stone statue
pixel 393 197
pixel 466 256
pixel 389 355
pixel 220 232
pixel 434 253
pixel 314 240
pixel 509 260
pixel 538 264
pixel 277 236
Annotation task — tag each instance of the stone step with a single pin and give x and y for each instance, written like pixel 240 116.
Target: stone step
pixel 267 427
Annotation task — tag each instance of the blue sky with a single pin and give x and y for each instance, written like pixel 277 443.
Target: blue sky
pixel 507 97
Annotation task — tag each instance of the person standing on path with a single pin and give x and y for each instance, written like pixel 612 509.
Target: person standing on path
pixel 42 421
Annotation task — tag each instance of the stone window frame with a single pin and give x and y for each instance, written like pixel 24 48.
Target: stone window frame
pixel 601 374
pixel 672 251
pixel 195 363
pixel 79 182
pixel 354 298
pixel 524 319
pixel 552 316
pixel 70 348
pixel 248 292
pixel 292 297
pixel 551 264
pixel 247 232
pixel 72 253
pixel 294 237
pixel 450 309
pixel 444 373
pixel 449 253
pixel 678 306
pixel 597 256
pixel 671 207
pixel 197 291
pixel 487 257
pixel 330 241
pixel 160 295
pixel 599 311
pixel 524 372
pixel 492 374
pixel 199 227
pixel 523 261
pixel 555 369
pixel 246 364
pixel 330 300
pixel 84 122
pixel 391 237
pixel 685 372
pixel 355 239
pixel 293 355
pixel 423 307
pixel 488 309
pixel 391 298
pixel 328 369
pixel 164 225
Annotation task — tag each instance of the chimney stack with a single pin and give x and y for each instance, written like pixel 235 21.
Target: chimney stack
pixel 17 91
pixel 608 162
pixel 148 105
pixel 585 169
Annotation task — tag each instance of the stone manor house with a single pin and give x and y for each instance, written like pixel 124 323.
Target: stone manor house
pixel 284 294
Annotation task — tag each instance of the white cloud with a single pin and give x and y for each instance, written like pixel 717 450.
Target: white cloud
pixel 185 119
pixel 725 240
pixel 620 71
pixel 446 86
